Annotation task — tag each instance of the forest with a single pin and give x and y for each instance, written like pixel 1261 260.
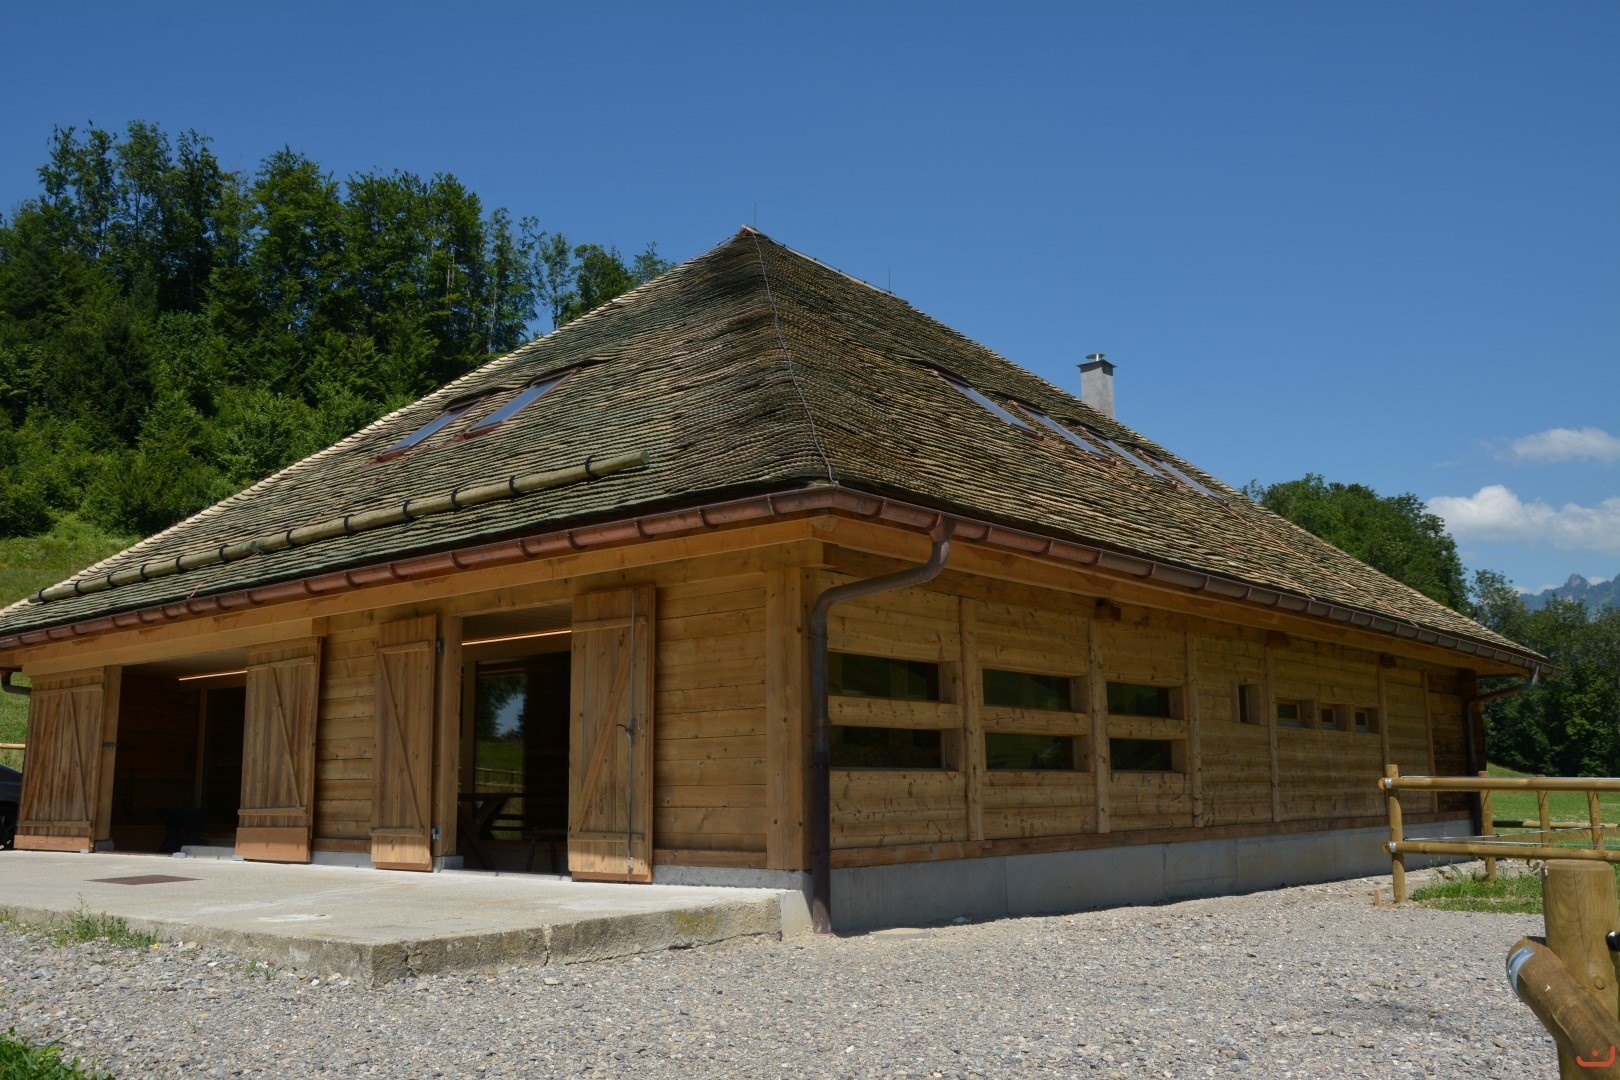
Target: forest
pixel 172 331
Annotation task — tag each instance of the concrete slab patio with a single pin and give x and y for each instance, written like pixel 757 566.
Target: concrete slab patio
pixel 377 925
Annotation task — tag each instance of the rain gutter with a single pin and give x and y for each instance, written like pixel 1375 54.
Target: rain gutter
pixel 757 510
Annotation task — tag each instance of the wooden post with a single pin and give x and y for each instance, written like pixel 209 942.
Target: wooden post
pixel 1271 733
pixel 1097 700
pixel 1487 827
pixel 1596 815
pixel 1546 820
pixel 1397 861
pixel 1579 899
pixel 1582 1028
pixel 1195 745
pixel 970 693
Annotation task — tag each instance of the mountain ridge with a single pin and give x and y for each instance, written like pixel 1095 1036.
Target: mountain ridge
pixel 1605 592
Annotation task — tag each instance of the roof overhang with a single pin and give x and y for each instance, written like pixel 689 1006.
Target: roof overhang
pixel 760 509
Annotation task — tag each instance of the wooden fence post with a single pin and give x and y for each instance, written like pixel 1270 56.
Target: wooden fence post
pixel 1595 813
pixel 1581 909
pixel 1581 1027
pixel 1487 827
pixel 1397 861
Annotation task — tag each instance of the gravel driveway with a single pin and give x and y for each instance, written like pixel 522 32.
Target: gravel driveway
pixel 1312 981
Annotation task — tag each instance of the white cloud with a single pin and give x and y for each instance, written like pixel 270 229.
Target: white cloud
pixel 1496 513
pixel 1566 444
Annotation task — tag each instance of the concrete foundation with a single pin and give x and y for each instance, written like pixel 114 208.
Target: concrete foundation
pixel 870 897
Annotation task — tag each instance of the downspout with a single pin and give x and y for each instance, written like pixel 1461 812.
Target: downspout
pixel 5 683
pixel 820 737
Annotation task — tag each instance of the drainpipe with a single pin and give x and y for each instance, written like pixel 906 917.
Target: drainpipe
pixel 5 683
pixel 820 740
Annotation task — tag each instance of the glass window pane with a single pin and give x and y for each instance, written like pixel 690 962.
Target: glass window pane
pixel 1181 475
pixel 1064 432
pixel 1134 699
pixel 500 702
pixel 974 395
pixel 1022 690
pixel 1006 750
pixel 885 748
pixel 1141 755
pixel 1132 458
pixel 425 432
pixel 880 676
pixel 1290 714
pixel 511 408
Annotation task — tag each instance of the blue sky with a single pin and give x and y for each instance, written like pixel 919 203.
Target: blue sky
pixel 1372 240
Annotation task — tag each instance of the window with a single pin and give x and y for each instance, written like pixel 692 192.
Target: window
pixel 1142 755
pixel 1327 718
pixel 1166 467
pixel 1135 699
pixel 882 677
pixel 1132 458
pixel 1022 690
pixel 1249 706
pixel 423 433
pixel 990 406
pixel 1364 720
pixel 885 748
pixel 1292 713
pixel 1062 431
pixel 1005 750
pixel 515 405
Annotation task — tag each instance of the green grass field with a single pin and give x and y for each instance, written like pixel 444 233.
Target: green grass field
pixel 1561 805
pixel 28 563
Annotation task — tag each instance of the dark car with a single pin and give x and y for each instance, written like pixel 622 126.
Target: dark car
pixel 10 797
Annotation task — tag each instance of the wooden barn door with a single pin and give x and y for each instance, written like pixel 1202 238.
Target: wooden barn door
pixel 610 766
pixel 62 777
pixel 278 752
pixel 402 804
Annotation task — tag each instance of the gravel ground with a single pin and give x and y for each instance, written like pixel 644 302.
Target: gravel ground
pixel 1305 982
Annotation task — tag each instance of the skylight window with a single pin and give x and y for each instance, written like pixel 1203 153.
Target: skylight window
pixel 990 406
pixel 1132 458
pixel 423 433
pixel 1062 431
pixel 516 405
pixel 1202 489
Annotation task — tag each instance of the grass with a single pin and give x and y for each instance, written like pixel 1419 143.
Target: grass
pixel 20 1060
pixel 28 563
pixel 1561 805
pixel 86 926
pixel 1515 893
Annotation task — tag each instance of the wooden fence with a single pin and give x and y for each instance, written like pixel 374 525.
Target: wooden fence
pixel 1553 839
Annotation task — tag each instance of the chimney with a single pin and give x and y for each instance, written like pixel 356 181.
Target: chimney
pixel 1097 383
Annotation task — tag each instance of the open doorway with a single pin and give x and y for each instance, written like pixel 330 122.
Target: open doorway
pixel 513 806
pixel 177 771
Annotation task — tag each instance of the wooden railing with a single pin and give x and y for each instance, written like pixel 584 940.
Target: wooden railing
pixel 1554 839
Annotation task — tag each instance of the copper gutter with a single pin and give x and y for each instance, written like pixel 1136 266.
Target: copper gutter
pixel 756 510
pixel 821 727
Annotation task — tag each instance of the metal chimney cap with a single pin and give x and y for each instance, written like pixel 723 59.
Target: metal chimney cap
pixel 1097 360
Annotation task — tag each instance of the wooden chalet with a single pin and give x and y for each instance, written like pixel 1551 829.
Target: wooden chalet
pixel 558 616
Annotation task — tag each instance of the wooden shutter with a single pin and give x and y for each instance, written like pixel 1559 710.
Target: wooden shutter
pixel 610 766
pixel 278 753
pixel 62 778
pixel 402 805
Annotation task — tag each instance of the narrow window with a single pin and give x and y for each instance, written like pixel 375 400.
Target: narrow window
pixel 1132 458
pixel 1022 690
pixel 1327 718
pixel 423 433
pixel 1063 431
pixel 1142 755
pixel 882 677
pixel 885 748
pixel 1248 704
pixel 1291 713
pixel 974 395
pixel 1364 720
pixel 1136 699
pixel 1006 750
pixel 514 406
pixel 1181 475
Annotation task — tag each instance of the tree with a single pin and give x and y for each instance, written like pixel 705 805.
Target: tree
pixel 1394 534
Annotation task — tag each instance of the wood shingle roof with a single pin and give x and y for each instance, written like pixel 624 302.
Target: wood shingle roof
pixel 751 368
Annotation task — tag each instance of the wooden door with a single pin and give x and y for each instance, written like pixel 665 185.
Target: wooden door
pixel 62 778
pixel 278 753
pixel 402 804
pixel 610 764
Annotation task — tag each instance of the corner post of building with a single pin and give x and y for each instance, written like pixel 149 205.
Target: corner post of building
pixel 447 737
pixel 112 682
pixel 969 687
pixel 1195 746
pixel 1271 730
pixel 1097 682
pixel 787 711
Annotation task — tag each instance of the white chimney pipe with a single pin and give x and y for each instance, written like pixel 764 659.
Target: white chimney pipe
pixel 1097 383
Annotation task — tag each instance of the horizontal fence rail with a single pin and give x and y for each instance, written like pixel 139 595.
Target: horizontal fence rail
pixel 1540 839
